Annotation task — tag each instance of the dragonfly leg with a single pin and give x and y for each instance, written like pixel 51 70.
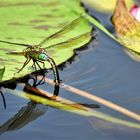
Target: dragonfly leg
pixel 34 65
pixel 42 81
pixel 42 63
pixel 36 82
pixel 38 64
pixel 25 63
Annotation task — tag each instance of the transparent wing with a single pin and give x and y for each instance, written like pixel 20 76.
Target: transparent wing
pixel 15 53
pixel 70 41
pixel 14 43
pixel 62 31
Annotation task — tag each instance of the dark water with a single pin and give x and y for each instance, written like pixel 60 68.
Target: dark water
pixel 103 69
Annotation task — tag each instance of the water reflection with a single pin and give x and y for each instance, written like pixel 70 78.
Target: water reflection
pixel 30 86
pixel 24 116
pixel 32 110
pixel 114 131
pixel 3 99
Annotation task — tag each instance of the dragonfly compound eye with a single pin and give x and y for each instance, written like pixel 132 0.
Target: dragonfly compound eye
pixel 43 57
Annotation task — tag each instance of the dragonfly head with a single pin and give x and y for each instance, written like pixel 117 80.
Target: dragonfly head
pixel 43 56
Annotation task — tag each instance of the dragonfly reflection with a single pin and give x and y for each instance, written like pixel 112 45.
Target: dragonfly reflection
pixel 3 98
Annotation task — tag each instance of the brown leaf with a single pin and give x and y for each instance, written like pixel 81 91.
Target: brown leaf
pixel 126 27
pixel 122 19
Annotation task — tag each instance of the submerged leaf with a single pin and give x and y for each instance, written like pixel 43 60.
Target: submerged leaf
pixel 80 110
pixel 126 27
pixel 30 22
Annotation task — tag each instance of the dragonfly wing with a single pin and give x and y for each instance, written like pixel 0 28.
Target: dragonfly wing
pixel 14 43
pixel 62 31
pixel 70 41
pixel 15 53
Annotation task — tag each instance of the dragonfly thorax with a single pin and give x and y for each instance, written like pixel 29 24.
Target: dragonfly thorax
pixel 36 53
pixel 43 56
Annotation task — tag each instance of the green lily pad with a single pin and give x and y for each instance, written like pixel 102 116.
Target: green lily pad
pixel 30 22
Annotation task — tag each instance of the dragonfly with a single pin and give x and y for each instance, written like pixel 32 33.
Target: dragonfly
pixel 38 54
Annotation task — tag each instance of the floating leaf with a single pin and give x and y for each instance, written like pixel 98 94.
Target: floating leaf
pixel 126 27
pixel 30 22
pixel 84 111
pixel 105 5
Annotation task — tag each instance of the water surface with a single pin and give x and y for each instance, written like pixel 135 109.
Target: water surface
pixel 103 69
